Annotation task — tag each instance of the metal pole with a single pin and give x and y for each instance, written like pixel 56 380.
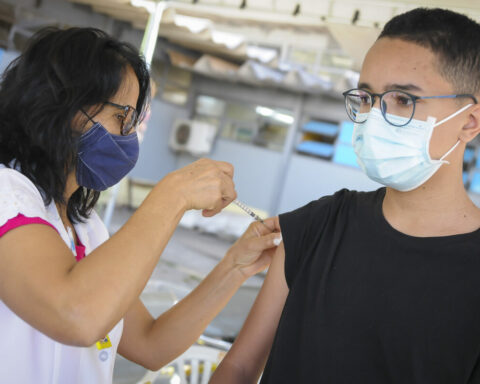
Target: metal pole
pixel 147 48
pixel 151 32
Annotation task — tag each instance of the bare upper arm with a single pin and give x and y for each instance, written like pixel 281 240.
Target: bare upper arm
pixel 249 353
pixel 34 263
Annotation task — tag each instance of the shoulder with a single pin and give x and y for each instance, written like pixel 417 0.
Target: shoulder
pixel 305 226
pixel 343 206
pixel 338 199
pixel 19 195
pixel 346 196
pixel 297 225
pixel 318 208
pixel 11 179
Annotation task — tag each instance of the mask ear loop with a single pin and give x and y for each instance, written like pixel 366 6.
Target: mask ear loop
pixel 443 121
pixel 448 153
pixel 88 116
pixel 453 115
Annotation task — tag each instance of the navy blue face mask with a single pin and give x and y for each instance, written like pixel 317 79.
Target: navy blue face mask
pixel 103 158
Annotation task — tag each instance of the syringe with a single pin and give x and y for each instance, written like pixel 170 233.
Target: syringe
pixel 251 213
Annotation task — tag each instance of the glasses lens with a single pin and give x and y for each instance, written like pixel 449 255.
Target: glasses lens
pixel 130 121
pixel 397 107
pixel 358 103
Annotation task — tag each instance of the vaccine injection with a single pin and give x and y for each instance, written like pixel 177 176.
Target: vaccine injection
pixel 250 212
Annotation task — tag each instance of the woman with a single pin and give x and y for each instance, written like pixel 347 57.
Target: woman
pixel 69 106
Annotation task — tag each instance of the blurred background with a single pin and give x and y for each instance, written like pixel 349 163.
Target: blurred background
pixel 256 83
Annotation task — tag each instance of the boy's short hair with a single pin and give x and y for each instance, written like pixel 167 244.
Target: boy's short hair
pixel 452 37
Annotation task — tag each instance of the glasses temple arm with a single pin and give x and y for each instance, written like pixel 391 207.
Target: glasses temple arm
pixel 88 116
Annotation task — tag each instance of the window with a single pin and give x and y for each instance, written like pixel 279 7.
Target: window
pixel 173 83
pixel 247 123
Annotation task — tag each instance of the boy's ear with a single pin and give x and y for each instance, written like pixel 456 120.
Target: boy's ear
pixel 472 128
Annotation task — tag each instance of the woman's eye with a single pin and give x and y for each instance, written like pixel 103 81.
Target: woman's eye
pixel 119 117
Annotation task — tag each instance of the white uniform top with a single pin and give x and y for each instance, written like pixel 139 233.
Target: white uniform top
pixel 26 354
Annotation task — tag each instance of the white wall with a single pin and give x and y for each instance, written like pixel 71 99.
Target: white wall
pixel 308 179
pixel 256 171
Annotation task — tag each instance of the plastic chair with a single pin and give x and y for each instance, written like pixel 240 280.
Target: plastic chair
pixel 200 359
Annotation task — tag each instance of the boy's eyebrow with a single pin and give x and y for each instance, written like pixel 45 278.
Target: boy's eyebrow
pixel 400 87
pixel 364 86
pixel 403 87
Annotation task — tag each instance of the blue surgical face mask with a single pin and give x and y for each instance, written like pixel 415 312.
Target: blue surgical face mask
pixel 398 157
pixel 103 158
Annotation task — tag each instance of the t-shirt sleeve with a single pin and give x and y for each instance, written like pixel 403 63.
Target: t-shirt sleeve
pixel 19 196
pixel 299 229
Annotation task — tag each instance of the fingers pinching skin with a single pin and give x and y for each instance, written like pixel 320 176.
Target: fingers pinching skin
pixel 251 249
pixel 268 226
pixel 265 242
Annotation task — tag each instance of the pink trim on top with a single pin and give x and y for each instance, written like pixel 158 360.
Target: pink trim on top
pixel 21 220
pixel 80 248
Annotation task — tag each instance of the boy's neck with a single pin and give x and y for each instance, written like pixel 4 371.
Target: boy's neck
pixel 440 207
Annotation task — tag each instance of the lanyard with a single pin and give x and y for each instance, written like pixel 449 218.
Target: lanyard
pixel 73 248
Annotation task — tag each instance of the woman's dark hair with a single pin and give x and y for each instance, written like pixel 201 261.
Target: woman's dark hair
pixel 452 37
pixel 60 73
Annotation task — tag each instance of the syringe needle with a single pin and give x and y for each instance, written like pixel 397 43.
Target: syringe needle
pixel 251 213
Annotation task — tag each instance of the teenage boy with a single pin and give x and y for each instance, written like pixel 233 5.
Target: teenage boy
pixel 384 286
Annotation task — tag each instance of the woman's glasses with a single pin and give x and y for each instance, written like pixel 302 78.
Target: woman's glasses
pixel 359 102
pixel 128 120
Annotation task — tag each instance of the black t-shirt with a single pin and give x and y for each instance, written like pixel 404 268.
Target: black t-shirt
pixel 369 304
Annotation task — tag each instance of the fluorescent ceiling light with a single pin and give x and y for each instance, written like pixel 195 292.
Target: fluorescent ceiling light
pixel 230 40
pixel 149 5
pixel 194 24
pixel 265 55
pixel 267 112
pixel 287 119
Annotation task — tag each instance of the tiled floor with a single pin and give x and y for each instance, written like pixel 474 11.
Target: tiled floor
pixel 187 259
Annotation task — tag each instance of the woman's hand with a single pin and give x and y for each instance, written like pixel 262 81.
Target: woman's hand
pixel 205 184
pixel 253 251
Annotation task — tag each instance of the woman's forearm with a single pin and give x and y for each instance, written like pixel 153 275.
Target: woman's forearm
pixel 178 328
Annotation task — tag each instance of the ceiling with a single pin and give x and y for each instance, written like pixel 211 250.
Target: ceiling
pixel 353 24
pixel 301 13
pixel 313 46
pixel 246 31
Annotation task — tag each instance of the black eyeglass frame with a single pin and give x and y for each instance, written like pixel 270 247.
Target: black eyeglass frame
pixel 414 99
pixel 126 109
